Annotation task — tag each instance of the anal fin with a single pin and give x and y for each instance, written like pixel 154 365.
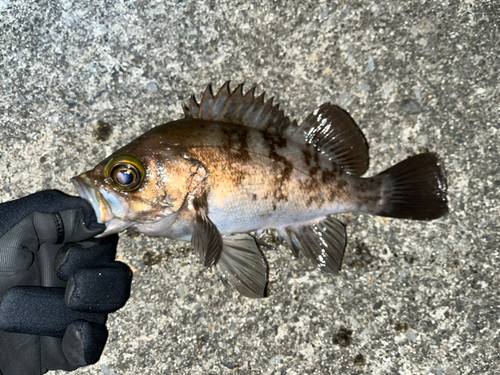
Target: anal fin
pixel 322 242
pixel 243 266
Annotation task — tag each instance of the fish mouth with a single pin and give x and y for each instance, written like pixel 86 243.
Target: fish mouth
pixel 90 194
pixel 104 206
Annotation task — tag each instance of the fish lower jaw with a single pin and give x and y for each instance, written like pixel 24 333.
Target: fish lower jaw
pixel 115 225
pixel 103 211
pixel 87 193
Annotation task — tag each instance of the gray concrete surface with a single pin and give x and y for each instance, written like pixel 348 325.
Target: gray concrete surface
pixel 413 298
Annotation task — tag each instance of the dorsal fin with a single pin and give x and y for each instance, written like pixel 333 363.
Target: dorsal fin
pixel 238 108
pixel 332 130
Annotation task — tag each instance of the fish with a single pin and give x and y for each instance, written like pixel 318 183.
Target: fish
pixel 235 164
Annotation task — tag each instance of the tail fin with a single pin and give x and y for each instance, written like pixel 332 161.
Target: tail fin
pixel 415 189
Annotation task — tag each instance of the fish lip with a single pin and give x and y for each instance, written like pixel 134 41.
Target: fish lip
pixel 101 207
pixel 87 192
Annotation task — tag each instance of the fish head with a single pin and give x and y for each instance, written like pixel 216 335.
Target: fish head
pixel 140 187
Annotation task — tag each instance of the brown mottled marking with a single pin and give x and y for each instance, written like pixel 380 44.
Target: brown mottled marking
pixel 370 192
pixel 282 174
pixel 309 202
pixel 314 168
pixel 331 195
pixel 235 142
pixel 327 176
pixel 317 199
pixel 312 187
pixel 341 183
pixel 238 175
pixel 254 197
pixel 369 185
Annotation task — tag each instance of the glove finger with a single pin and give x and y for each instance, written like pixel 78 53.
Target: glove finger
pixel 84 342
pixel 78 255
pixel 40 311
pixel 99 289
pixel 46 201
pixel 64 226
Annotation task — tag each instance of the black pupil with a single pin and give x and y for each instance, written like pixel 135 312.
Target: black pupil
pixel 125 177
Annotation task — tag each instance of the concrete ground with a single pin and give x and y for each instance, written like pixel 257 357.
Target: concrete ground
pixel 412 298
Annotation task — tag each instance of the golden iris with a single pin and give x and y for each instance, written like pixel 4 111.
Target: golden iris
pixel 126 172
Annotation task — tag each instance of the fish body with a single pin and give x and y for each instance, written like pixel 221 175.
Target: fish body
pixel 253 180
pixel 236 164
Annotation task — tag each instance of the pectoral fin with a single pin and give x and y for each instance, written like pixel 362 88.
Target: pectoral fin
pixel 243 266
pixel 323 242
pixel 206 239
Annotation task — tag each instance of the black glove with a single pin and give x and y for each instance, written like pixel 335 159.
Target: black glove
pixel 57 284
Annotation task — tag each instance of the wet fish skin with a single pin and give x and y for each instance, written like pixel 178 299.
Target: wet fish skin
pixel 235 164
pixel 253 180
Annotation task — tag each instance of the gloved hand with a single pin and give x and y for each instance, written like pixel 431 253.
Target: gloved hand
pixel 57 284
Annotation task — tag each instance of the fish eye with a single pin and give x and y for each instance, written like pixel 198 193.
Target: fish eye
pixel 125 172
pixel 125 176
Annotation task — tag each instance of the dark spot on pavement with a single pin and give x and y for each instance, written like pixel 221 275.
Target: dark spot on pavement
pixel 401 327
pixel 361 256
pixel 151 258
pixel 103 131
pixel 359 360
pixel 410 106
pixel 343 337
pixel 409 258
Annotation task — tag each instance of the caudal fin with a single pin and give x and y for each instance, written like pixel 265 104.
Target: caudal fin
pixel 415 189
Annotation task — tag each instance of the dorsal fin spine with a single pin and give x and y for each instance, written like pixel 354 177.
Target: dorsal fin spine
pixel 245 103
pixel 194 108
pixel 271 112
pixel 234 98
pixel 253 110
pixel 241 108
pixel 219 99
pixel 266 111
pixel 206 101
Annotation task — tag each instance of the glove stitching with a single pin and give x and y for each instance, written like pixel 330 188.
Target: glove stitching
pixel 59 227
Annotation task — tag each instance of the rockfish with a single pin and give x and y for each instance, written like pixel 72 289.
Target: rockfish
pixel 237 164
